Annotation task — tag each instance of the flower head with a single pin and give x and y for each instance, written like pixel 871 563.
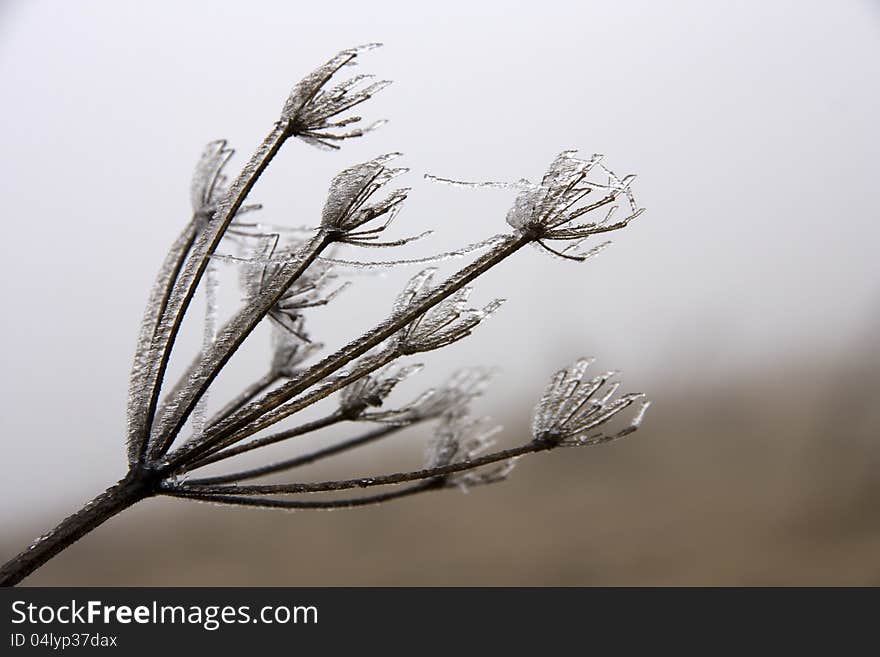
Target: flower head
pixel 451 399
pixel 547 211
pixel 290 351
pixel 209 183
pixel 459 439
pixel 573 407
pixel 307 291
pixel 311 109
pixel 372 389
pixel 556 200
pixel 442 324
pixel 348 208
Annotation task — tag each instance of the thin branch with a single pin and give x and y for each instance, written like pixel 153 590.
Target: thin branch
pixel 260 385
pixel 187 453
pixel 192 386
pixel 308 427
pixel 330 364
pixel 365 482
pixel 298 461
pixel 310 504
pixel 150 379
pixel 155 310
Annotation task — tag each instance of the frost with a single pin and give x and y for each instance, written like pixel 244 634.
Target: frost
pixel 442 324
pixel 460 439
pixel 521 184
pixel 160 293
pixel 572 406
pixel 146 380
pixel 547 209
pixel 193 384
pixel 451 399
pixel 209 335
pixel 262 229
pixel 287 270
pixel 267 260
pixel 446 255
pixel 310 107
pixel 208 182
pixel 372 389
pixel 347 207
pixel 492 474
pixel 289 351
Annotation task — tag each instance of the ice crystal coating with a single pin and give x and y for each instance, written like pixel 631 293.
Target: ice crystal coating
pixel 157 302
pixel 442 324
pixel 546 210
pixel 459 439
pixel 347 207
pixel 521 184
pixel 371 390
pixel 310 108
pixel 573 406
pixel 287 270
pixel 307 291
pixel 554 202
pixel 452 399
pixel 209 183
pixel 439 257
pixel 209 334
pixel 290 351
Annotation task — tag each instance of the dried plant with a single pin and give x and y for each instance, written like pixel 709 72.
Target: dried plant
pixel 284 273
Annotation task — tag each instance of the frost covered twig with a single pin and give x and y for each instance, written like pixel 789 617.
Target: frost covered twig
pixel 288 273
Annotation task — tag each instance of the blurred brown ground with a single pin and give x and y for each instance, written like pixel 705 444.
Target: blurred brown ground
pixel 767 480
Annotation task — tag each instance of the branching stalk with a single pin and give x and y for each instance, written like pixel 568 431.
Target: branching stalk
pixel 187 282
pixel 298 461
pixel 287 280
pixel 301 430
pixel 273 400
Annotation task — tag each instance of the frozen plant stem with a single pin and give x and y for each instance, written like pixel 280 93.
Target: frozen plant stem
pixel 174 310
pixel 323 369
pixel 287 277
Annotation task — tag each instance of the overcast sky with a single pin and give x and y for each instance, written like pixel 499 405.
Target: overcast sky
pixel 752 127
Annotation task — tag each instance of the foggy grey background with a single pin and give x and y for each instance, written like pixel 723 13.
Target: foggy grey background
pixel 751 125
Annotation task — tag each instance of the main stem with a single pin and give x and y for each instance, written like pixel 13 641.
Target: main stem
pixel 134 487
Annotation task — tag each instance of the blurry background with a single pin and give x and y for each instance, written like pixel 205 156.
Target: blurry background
pixel 746 302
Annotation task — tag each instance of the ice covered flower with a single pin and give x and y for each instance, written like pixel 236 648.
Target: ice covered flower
pixel 548 211
pixel 308 291
pixel 442 324
pixel 290 351
pixel 312 110
pixel 450 399
pixel 573 407
pixel 372 389
pixel 458 439
pixel 559 198
pixel 348 205
pixel 209 183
